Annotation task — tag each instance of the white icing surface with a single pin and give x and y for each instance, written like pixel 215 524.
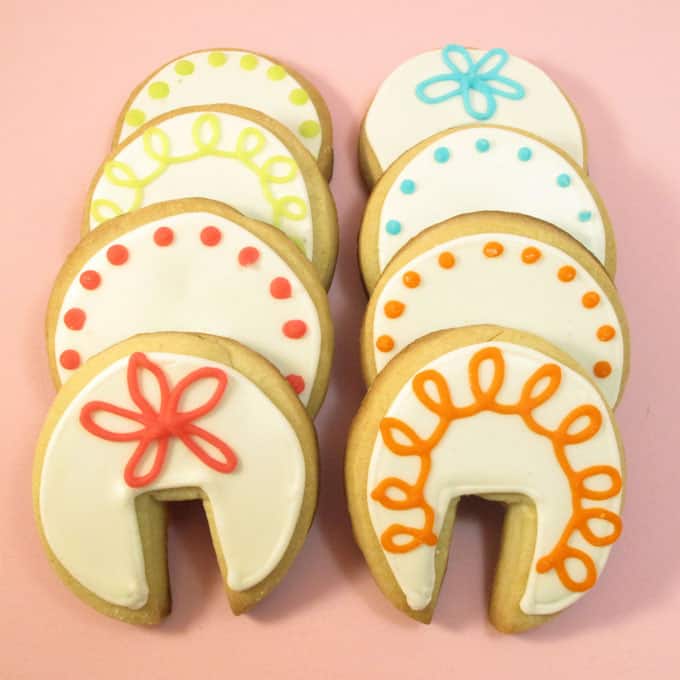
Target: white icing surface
pixel 505 291
pixel 88 511
pixel 398 120
pixel 222 179
pixel 493 180
pixel 188 286
pixel 228 83
pixel 492 453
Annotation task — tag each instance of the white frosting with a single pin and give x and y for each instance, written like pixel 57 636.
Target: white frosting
pixel 88 512
pixel 228 180
pixel 493 180
pixel 227 83
pixel 188 286
pixel 505 291
pixel 491 453
pixel 398 120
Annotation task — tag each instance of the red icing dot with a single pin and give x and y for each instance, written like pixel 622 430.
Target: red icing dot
pixel 69 359
pixel 74 319
pixel 211 236
pixel 294 329
pixel 163 236
pixel 297 382
pixel 90 279
pixel 280 288
pixel 248 256
pixel 117 254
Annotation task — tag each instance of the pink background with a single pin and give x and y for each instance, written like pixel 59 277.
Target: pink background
pixel 66 68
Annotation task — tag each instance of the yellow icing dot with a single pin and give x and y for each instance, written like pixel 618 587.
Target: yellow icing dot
pixel 184 67
pixel 298 97
pixel 276 72
pixel 309 128
pixel 217 59
pixel 159 90
pixel 249 62
pixel 135 117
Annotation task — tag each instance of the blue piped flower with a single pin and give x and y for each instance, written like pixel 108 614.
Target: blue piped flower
pixel 484 77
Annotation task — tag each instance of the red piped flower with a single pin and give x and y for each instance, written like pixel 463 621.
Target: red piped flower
pixel 158 426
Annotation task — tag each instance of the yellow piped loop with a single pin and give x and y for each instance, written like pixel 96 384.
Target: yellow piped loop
pixel 206 144
pixel 157 145
pixel 102 204
pixel 268 170
pixel 290 207
pixel 249 143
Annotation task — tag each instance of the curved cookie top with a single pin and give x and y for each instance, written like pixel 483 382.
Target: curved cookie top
pixel 455 86
pixel 481 167
pixel 194 266
pixel 496 268
pixel 225 153
pixel 229 76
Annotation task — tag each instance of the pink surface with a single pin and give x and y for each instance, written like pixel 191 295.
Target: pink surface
pixel 66 68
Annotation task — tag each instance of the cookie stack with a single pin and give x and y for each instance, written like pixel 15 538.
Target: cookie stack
pixel 190 335
pixel 489 259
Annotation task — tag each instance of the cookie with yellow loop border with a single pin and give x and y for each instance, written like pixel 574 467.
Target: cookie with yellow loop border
pixel 506 269
pixel 496 413
pixel 193 265
pixel 231 76
pixel 173 417
pixel 226 153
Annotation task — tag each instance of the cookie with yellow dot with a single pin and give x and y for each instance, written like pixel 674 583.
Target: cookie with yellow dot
pixel 230 76
pixel 505 269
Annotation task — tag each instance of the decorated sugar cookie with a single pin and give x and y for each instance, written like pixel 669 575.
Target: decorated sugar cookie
pixel 194 266
pixel 454 86
pixel 505 269
pixel 169 417
pixel 500 414
pixel 480 167
pixel 228 76
pixel 229 154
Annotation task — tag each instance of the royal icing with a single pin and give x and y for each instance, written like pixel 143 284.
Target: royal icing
pixel 487 168
pixel 207 154
pixel 455 86
pixel 160 421
pixel 226 77
pixel 496 418
pixel 505 279
pixel 195 272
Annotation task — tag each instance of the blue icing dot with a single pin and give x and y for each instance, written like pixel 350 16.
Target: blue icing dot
pixel 585 215
pixel 524 154
pixel 408 186
pixel 482 145
pixel 442 154
pixel 563 180
pixel 393 227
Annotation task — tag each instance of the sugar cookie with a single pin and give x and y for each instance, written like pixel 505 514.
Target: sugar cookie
pixel 168 417
pixel 501 414
pixel 504 269
pixel 229 76
pixel 193 265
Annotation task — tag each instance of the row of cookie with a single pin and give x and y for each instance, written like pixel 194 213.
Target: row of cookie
pixel 162 325
pixel 485 223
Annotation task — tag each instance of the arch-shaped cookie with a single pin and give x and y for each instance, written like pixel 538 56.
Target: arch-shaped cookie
pixel 497 413
pixel 168 417
pixel 193 266
pixel 231 76
pixel 506 269
pixel 481 167
pixel 455 86
pixel 226 153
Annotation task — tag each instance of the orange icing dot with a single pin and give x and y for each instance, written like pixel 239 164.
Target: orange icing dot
pixel 590 299
pixel 446 260
pixel 530 255
pixel 605 333
pixel 602 369
pixel 493 249
pixel 411 279
pixel 385 343
pixel 394 308
pixel 566 273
